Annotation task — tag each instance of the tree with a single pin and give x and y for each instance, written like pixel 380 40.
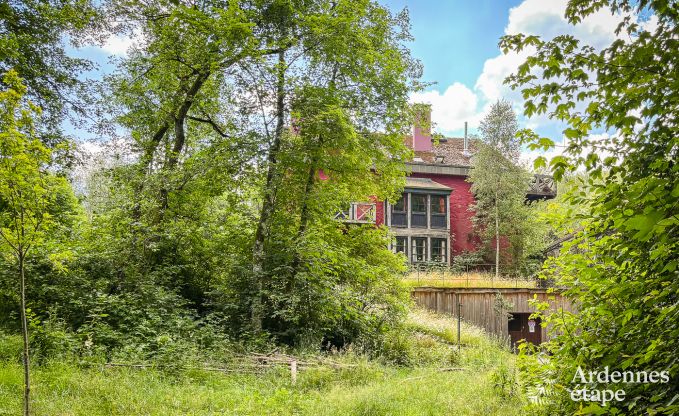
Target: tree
pixel 26 192
pixel 621 268
pixel 32 43
pixel 344 68
pixel 228 100
pixel 498 182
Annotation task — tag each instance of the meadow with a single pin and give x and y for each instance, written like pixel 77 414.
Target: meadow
pixel 425 375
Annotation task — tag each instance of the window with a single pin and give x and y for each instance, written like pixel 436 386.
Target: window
pixel 419 203
pixel 398 212
pixel 438 250
pixel 438 211
pixel 418 206
pixel 419 249
pixel 402 245
pixel 400 205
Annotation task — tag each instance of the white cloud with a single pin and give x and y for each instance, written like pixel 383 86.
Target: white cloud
pixel 451 109
pixel 536 17
pixel 490 83
pixel 117 45
pixel 546 19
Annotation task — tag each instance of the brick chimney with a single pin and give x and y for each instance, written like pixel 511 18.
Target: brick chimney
pixel 421 140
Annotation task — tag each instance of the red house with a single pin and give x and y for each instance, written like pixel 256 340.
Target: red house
pixel 432 220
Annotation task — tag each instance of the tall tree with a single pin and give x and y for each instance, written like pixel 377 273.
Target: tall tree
pixel 498 182
pixel 621 269
pixel 26 193
pixel 33 36
pixel 348 77
pixel 208 96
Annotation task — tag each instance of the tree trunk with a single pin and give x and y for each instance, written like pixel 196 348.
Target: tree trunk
pixel 497 239
pixel 262 233
pixel 24 331
pixel 180 134
pixel 304 215
pixel 308 188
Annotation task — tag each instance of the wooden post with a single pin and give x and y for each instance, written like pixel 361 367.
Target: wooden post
pixel 459 332
pixel 293 371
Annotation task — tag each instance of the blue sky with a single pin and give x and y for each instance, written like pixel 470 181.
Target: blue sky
pixel 454 38
pixel 457 43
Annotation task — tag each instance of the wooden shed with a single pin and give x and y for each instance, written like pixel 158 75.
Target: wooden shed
pixel 503 312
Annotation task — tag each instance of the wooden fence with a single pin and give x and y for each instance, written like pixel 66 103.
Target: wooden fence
pixel 488 308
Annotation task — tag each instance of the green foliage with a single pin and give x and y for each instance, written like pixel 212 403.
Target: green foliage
pixel 350 385
pixel 33 44
pixel 10 348
pixel 159 258
pixel 28 193
pixel 499 185
pixel 621 267
pixel 368 388
pixel 505 381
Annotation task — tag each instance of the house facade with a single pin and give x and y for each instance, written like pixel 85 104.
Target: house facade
pixel 432 220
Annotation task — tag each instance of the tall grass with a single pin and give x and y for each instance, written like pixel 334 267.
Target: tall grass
pixel 449 279
pixel 437 380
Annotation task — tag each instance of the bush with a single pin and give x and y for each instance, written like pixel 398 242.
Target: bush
pixel 11 347
pixel 50 339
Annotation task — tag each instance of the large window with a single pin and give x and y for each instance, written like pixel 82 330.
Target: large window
pixel 438 211
pixel 420 211
pixel 418 207
pixel 438 250
pixel 419 249
pixel 402 245
pixel 399 212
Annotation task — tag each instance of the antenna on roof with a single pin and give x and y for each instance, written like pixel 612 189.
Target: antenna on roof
pixel 466 141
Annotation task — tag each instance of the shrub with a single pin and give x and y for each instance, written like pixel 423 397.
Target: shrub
pixel 10 347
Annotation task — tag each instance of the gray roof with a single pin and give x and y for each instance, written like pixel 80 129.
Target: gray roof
pixel 425 183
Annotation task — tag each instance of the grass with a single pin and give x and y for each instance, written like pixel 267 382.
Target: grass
pixel 366 388
pixel 444 327
pixel 447 279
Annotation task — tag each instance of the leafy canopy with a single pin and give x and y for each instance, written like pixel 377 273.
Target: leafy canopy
pixel 621 269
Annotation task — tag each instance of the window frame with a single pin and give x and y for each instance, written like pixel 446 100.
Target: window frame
pixel 404 240
pixel 419 219
pixel 441 217
pixel 442 255
pixel 403 215
pixel 414 251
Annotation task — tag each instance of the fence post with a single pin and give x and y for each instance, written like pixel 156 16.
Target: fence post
pixel 293 371
pixel 459 332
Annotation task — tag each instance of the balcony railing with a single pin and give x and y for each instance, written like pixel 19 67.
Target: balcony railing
pixel 542 185
pixel 359 212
